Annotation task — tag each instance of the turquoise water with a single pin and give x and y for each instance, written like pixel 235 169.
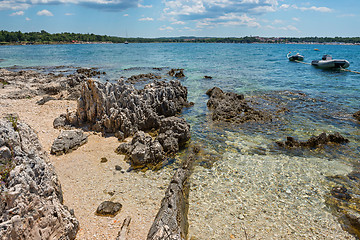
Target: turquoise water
pixel 317 101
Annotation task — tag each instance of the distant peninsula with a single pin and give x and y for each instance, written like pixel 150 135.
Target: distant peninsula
pixel 43 37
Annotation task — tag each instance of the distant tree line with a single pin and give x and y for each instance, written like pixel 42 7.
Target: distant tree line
pixel 44 37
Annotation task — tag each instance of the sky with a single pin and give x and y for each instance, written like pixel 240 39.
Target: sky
pixel 174 18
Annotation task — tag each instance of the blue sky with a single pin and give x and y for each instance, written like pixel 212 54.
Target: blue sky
pixel 162 18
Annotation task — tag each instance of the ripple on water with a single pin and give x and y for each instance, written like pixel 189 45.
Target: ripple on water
pixel 264 197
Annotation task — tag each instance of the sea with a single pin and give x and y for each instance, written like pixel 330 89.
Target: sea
pixel 244 186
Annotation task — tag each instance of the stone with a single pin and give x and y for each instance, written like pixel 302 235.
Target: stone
pixel 5 155
pixel 118 168
pixel 103 160
pixel 31 200
pixel 60 122
pixel 67 141
pixel 108 208
pixel 232 107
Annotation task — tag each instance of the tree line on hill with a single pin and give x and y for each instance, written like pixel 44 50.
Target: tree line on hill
pixel 44 37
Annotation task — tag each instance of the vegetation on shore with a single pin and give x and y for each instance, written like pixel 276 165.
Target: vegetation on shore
pixel 44 37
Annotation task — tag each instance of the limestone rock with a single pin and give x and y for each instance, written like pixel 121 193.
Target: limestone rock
pixel 142 150
pixel 67 141
pixel 232 107
pixel 31 197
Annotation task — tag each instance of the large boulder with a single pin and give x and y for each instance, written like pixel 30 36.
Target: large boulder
pixel 232 107
pixel 30 197
pixel 67 141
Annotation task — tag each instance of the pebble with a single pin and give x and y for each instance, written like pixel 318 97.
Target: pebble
pixel 118 168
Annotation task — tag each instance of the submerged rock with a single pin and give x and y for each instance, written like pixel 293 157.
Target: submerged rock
pixel 30 197
pixel 314 142
pixel 232 107
pixel 108 208
pixel 67 141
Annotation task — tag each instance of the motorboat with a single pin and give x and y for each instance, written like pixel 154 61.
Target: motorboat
pixel 327 62
pixel 296 57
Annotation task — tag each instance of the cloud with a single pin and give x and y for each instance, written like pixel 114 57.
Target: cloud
pixel 69 14
pixel 178 23
pixel 126 15
pixel 166 28
pixel 45 13
pixel 27 19
pixel 347 15
pixel 146 19
pixel 312 8
pixel 144 6
pixel 107 5
pixel 296 19
pixel 19 13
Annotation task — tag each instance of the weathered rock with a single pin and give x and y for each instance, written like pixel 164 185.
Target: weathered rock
pixel 60 122
pixel 67 141
pixel 31 197
pixel 174 132
pixel 142 150
pixel 120 107
pixel 208 77
pixel 108 208
pixel 315 141
pixel 171 221
pixel 103 160
pixel 142 77
pixel 177 72
pixel 232 107
pixel 357 115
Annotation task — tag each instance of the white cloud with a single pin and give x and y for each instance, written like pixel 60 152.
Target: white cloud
pixel 296 19
pixel 166 28
pixel 108 5
pixel 347 15
pixel 146 19
pixel 45 13
pixel 69 14
pixel 312 8
pixel 19 13
pixel 27 19
pixel 126 15
pixel 144 6
pixel 178 23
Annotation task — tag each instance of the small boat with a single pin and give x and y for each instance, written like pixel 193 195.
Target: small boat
pixel 327 62
pixel 126 42
pixel 315 49
pixel 296 57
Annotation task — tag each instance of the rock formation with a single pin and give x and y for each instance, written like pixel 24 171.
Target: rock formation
pixel 67 141
pixel 31 197
pixel 108 208
pixel 315 141
pixel 232 107
pixel 115 108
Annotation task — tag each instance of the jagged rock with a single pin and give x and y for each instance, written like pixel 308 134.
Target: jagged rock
pixel 232 107
pixel 31 197
pixel 142 150
pixel 67 141
pixel 60 121
pixel 174 132
pixel 171 221
pixel 357 115
pixel 120 107
pixel 108 208
pixel 177 72
pixel 142 77
pixel 208 77
pixel 314 142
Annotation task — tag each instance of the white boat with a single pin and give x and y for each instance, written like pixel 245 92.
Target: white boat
pixel 327 62
pixel 296 57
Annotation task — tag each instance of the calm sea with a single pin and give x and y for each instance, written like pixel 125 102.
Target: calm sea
pixel 244 179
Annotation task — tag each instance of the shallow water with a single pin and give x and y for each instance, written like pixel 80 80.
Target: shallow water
pixel 244 184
